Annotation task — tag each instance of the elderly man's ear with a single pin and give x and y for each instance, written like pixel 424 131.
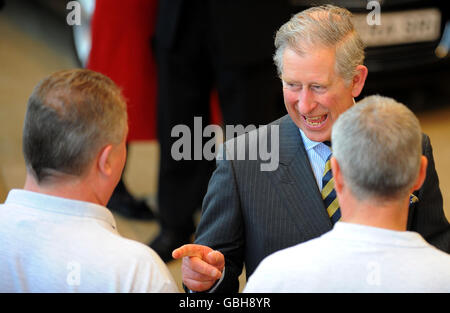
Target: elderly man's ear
pixel 104 162
pixel 422 174
pixel 358 80
pixel 336 170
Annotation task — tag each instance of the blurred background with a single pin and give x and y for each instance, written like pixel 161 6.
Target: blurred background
pixel 407 59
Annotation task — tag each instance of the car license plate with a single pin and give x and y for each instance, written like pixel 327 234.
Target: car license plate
pixel 399 27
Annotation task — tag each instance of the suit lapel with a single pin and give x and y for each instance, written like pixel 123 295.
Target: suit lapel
pixel 296 183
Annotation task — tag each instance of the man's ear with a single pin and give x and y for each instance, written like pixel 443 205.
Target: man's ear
pixel 359 80
pixel 104 160
pixel 422 173
pixel 338 181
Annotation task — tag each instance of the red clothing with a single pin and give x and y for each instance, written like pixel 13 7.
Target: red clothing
pixel 121 34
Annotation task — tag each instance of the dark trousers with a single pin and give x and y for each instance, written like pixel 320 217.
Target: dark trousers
pixel 187 73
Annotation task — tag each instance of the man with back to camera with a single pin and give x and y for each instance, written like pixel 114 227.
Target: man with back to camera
pixel 56 233
pixel 377 163
pixel 248 213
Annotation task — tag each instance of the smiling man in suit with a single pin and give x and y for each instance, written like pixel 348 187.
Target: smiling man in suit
pixel 248 213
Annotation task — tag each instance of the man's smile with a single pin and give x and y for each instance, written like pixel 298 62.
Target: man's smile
pixel 315 121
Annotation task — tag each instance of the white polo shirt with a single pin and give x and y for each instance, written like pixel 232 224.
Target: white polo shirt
pixel 53 244
pixel 355 258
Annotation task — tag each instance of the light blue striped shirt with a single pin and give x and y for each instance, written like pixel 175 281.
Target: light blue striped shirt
pixel 318 153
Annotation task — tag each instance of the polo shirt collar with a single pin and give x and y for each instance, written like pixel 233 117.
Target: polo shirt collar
pixel 59 205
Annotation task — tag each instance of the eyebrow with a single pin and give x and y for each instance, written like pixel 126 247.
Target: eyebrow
pixel 293 81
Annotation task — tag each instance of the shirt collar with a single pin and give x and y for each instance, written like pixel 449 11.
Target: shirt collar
pixel 309 144
pixel 358 232
pixel 60 205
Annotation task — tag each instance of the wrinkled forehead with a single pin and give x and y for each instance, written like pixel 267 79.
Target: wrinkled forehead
pixel 315 64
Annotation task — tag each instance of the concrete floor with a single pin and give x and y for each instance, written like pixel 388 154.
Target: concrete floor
pixel 32 47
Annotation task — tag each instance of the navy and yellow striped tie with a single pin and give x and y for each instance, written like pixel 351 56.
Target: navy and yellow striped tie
pixel 329 194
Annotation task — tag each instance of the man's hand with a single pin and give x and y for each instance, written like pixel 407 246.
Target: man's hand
pixel 201 266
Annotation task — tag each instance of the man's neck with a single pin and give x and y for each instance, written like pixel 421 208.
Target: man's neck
pixel 73 188
pixel 391 215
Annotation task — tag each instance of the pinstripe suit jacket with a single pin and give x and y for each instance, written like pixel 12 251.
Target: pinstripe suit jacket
pixel 249 214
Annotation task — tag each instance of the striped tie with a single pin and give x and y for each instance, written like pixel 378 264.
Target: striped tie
pixel 329 194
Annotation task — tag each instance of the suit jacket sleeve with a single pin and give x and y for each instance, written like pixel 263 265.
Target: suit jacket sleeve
pixel 221 226
pixel 427 216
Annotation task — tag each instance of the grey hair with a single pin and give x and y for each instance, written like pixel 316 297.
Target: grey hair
pixel 70 115
pixel 377 144
pixel 327 26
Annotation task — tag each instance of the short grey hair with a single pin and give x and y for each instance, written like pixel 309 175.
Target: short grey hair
pixel 328 26
pixel 377 144
pixel 70 115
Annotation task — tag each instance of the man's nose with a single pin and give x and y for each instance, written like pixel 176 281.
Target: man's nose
pixel 306 103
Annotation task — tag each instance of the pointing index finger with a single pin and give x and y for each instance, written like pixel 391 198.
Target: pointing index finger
pixel 191 250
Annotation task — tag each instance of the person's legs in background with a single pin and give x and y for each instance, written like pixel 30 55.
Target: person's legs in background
pixel 184 85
